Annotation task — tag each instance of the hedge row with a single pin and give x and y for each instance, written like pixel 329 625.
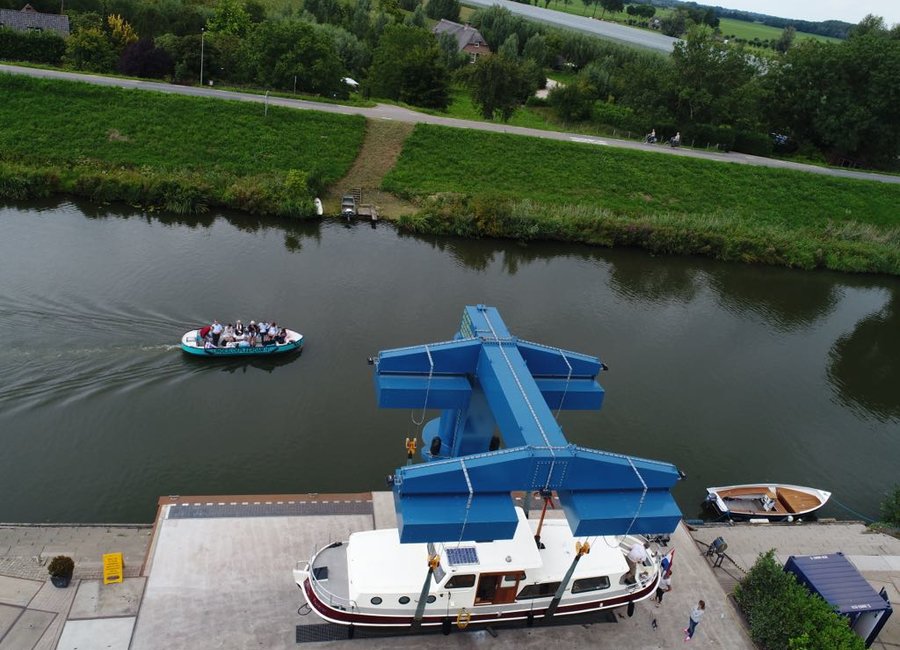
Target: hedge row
pixel 32 46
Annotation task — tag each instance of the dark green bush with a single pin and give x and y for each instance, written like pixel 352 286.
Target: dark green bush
pixel 36 47
pixel 757 144
pixel 783 614
pixel 890 507
pixel 61 566
pixel 621 117
pixel 703 135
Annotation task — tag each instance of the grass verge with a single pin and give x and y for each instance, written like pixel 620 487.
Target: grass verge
pixel 496 185
pixel 179 153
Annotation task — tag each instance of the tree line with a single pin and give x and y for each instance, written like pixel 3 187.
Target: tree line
pixel 838 102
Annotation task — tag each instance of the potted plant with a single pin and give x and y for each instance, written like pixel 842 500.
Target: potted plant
pixel 60 569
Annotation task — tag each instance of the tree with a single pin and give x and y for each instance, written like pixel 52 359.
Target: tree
pixel 143 59
pixel 674 24
pixel 90 49
pixel 784 42
pixel 497 86
pixel 417 18
pixel 408 66
pixel 711 79
pixel 446 9
pixel 275 52
pixel 573 103
pixel 510 48
pixel 229 17
pixel 451 56
pixel 120 33
pixel 536 49
pixel 610 5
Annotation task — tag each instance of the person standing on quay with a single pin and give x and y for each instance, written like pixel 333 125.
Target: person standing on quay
pixel 665 584
pixel 696 615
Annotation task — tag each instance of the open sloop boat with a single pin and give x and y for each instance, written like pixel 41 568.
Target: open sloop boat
pixel 374 580
pixel 193 344
pixel 772 501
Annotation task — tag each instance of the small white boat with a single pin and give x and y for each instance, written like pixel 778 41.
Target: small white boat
pixel 320 210
pixel 772 501
pixel 374 580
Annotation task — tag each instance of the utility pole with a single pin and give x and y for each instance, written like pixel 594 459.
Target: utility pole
pixel 202 34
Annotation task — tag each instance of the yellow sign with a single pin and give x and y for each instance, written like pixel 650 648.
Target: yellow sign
pixel 113 568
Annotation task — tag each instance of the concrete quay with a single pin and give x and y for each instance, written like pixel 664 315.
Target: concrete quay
pixel 215 572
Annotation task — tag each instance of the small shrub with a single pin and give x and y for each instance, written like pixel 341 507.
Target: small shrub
pixel 783 614
pixel 890 507
pixel 62 566
pixel 756 144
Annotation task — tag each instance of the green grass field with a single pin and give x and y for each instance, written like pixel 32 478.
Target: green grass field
pixel 183 154
pixel 66 122
pixel 729 26
pixel 811 209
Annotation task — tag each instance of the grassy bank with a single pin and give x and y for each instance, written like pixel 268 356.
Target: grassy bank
pixel 180 153
pixel 480 184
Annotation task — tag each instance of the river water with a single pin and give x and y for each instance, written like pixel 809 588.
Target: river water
pixel 734 373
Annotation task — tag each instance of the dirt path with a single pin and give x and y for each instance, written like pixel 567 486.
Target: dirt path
pixel 378 155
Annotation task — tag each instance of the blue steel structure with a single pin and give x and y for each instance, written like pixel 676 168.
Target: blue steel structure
pixel 488 381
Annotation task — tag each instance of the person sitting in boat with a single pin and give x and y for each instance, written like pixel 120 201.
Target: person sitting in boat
pixel 208 344
pixel 238 329
pixel 273 332
pixel 227 335
pixel 281 337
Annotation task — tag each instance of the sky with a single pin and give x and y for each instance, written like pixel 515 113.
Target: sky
pixel 851 11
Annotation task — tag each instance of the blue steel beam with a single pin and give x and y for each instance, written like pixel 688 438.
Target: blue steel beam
pixel 486 380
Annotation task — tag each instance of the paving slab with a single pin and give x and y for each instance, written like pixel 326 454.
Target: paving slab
pixel 226 582
pixel 54 599
pixel 27 630
pixel 17 591
pixel 96 600
pixel 106 633
pixel 8 616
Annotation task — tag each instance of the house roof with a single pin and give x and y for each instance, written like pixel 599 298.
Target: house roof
pixel 465 34
pixel 28 18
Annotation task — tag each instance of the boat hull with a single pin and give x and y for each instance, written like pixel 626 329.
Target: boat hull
pixel 524 612
pixel 746 502
pixel 189 346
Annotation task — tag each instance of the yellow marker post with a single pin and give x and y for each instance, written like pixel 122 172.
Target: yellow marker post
pixel 113 566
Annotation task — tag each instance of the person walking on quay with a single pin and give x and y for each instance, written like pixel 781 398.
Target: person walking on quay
pixel 696 615
pixel 665 585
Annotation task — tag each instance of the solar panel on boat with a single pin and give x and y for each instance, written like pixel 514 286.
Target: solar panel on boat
pixel 462 555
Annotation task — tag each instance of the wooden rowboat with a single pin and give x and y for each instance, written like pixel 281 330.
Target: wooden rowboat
pixel 772 501
pixel 192 344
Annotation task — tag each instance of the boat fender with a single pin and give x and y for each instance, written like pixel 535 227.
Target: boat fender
pixel 410 447
pixel 530 620
pixel 435 446
pixel 630 608
pixel 351 631
pixel 445 626
pixel 463 618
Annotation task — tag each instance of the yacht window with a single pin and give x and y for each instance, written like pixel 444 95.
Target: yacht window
pixel 542 590
pixel 590 584
pixel 404 600
pixel 510 578
pixel 376 600
pixel 461 581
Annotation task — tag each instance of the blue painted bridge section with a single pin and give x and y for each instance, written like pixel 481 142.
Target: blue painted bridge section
pixel 498 434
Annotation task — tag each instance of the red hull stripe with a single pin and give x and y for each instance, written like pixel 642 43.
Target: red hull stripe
pixel 344 617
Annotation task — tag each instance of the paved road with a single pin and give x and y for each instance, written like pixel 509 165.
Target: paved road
pixel 390 112
pixel 610 31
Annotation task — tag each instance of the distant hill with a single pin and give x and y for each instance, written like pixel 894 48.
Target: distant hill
pixel 833 28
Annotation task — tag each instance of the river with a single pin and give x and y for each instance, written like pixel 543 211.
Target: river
pixel 734 373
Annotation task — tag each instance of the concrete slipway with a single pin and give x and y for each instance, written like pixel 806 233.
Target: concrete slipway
pixel 215 572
